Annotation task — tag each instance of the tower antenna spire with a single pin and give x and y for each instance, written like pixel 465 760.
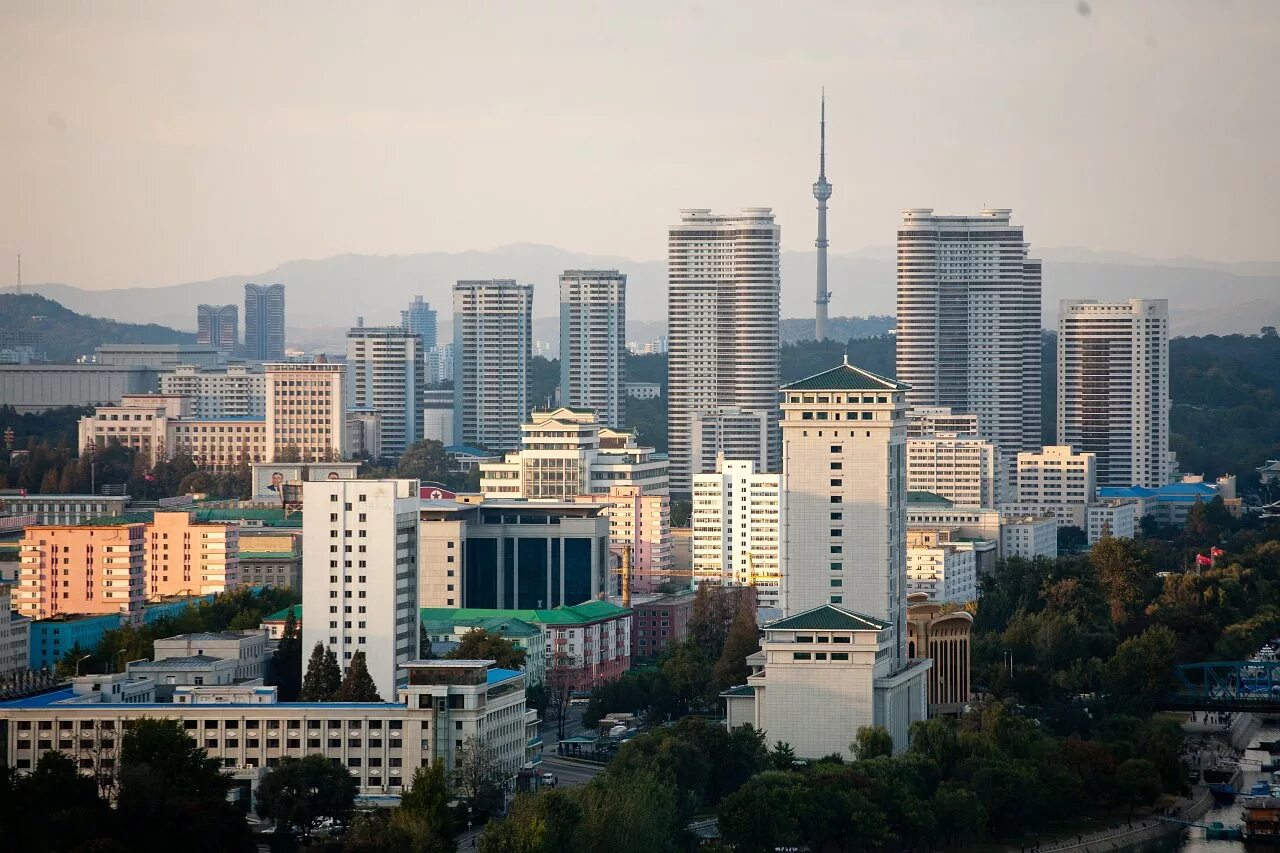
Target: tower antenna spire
pixel 822 192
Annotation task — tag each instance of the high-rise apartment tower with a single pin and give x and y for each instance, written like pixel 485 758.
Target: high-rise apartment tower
pixel 218 325
pixel 722 318
pixel 1113 388
pixel 386 373
pixel 593 343
pixel 492 345
pixel 968 331
pixel 264 322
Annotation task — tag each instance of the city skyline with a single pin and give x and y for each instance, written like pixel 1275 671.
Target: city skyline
pixel 84 111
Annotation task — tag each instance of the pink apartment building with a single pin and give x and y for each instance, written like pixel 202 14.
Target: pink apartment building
pixel 642 521
pixel 81 569
pixel 186 557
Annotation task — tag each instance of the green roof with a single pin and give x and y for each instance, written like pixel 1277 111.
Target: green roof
pixel 112 520
pixel 507 627
pixel 846 377
pixel 269 517
pixel 740 690
pixel 928 498
pixel 587 611
pixel 282 615
pixel 268 555
pixel 828 617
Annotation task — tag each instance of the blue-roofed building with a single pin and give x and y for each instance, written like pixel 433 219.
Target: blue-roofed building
pixel 247 729
pixel 1170 503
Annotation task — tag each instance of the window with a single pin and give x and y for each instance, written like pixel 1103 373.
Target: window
pixel 836 482
pixel 801 656
pixel 839 655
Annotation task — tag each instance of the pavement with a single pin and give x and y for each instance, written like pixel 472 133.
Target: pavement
pixel 569 771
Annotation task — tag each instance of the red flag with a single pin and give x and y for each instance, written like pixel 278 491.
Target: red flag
pixel 1215 551
pixel 1202 560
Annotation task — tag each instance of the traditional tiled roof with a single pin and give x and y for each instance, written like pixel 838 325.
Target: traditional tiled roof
pixel 828 617
pixel 928 498
pixel 740 690
pixel 846 377
pixel 579 614
pixel 268 555
pixel 283 615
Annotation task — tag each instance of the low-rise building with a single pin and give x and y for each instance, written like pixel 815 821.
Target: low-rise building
pixel 83 569
pixel 961 468
pixel 63 509
pixel 586 645
pixel 169 673
pixel 247 648
pixel 658 621
pixel 53 637
pixel 271 558
pixel 1116 518
pixel 274 624
pixel 529 637
pixel 941 567
pixel 942 637
pixel 246 730
pixel 824 673
pixel 1029 536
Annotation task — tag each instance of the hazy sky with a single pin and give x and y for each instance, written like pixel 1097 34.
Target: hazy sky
pixel 153 143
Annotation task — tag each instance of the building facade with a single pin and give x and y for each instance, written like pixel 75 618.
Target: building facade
pixel 658 621
pixel 64 509
pixel 1058 480
pixel 15 635
pixel 931 420
pixel 722 317
pixel 360 573
pixel 86 569
pixel 264 322
pixel 53 637
pixel 943 638
pixel 593 349
pixel 234 391
pixel 1116 518
pixel 1029 536
pixel 186 556
pixel 567 452
pixel 641 522
pixel 941 566
pixel 306 410
pixel 968 310
pixel 492 345
pixel 844 440
pixel 219 326
pixel 964 469
pixel 437 415
pixel 1113 388
pixel 737 519
pixel 731 432
pixel 387 374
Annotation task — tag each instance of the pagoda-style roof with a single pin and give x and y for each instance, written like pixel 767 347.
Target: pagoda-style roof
pixel 846 377
pixel 828 617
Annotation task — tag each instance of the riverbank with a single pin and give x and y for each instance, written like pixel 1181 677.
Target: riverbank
pixel 1136 834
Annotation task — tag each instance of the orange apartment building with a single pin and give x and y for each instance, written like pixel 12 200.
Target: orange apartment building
pixel 186 557
pixel 93 569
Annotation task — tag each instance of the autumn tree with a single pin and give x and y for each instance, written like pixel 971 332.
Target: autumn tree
pixel 742 641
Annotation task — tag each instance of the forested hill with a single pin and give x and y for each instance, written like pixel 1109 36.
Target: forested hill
pixel 63 335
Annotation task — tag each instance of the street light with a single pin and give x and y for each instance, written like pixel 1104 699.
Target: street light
pixel 82 660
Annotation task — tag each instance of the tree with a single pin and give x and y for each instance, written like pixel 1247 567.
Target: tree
pixel 1071 539
pixel 427 799
pixel 479 644
pixel 1121 574
pixel 300 792
pixel 170 785
pixel 783 757
pixel 323 677
pixel 357 684
pixel 959 814
pixel 1137 783
pixel 478 776
pixel 546 822
pixel 872 742
pixel 424 460
pixel 288 664
pixel 742 640
pixel 761 816
pixel 1140 673
pixel 53 808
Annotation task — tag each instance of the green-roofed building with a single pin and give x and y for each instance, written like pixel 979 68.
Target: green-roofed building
pixel 271 556
pixel 589 643
pixel 274 624
pixel 524 635
pixel 823 673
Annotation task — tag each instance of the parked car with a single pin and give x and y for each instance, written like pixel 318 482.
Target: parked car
pixel 549 779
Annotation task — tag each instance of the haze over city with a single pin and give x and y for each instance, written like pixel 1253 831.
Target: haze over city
pixel 151 143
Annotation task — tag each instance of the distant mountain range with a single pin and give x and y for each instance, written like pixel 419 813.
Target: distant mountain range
pixel 63 335
pixel 325 296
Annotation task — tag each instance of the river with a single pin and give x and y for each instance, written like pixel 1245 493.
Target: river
pixel 1194 840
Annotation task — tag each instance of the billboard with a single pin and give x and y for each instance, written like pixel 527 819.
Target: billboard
pixel 269 478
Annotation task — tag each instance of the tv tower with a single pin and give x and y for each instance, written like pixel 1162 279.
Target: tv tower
pixel 822 192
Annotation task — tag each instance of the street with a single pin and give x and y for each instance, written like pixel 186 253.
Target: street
pixel 569 771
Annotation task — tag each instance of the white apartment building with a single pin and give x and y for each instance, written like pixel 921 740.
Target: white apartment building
pixel 236 391
pixel 159 426
pixel 386 373
pixel 15 634
pixel 593 347
pixel 306 409
pixel 364 433
pixel 1057 480
pixel 722 318
pixel 1113 388
pixel 941 566
pixel 1115 518
pixel 567 452
pixel 844 474
pixel 247 730
pixel 492 345
pixel 732 433
pixel 360 573
pixel 826 672
pixel 968 312
pixel 929 420
pixel 737 522
pixel 437 415
pixel 1029 536
pixel 643 390
pixel 963 469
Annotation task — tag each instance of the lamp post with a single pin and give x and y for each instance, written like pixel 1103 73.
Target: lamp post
pixel 82 660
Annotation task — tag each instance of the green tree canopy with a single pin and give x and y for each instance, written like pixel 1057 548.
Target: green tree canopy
pixel 323 677
pixel 479 644
pixel 298 793
pixel 357 684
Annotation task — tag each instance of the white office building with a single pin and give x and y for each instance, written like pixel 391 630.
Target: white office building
pixel 722 318
pixel 737 521
pixel 437 415
pixel 1113 388
pixel 963 469
pixel 1029 536
pixel 306 410
pixel 360 574
pixel 1055 480
pixel 1115 518
pixel 567 452
pixel 844 474
pixel 931 420
pixel 387 374
pixel 492 345
pixel 593 347
pixel 968 311
pixel 942 566
pixel 732 433
pixel 236 391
